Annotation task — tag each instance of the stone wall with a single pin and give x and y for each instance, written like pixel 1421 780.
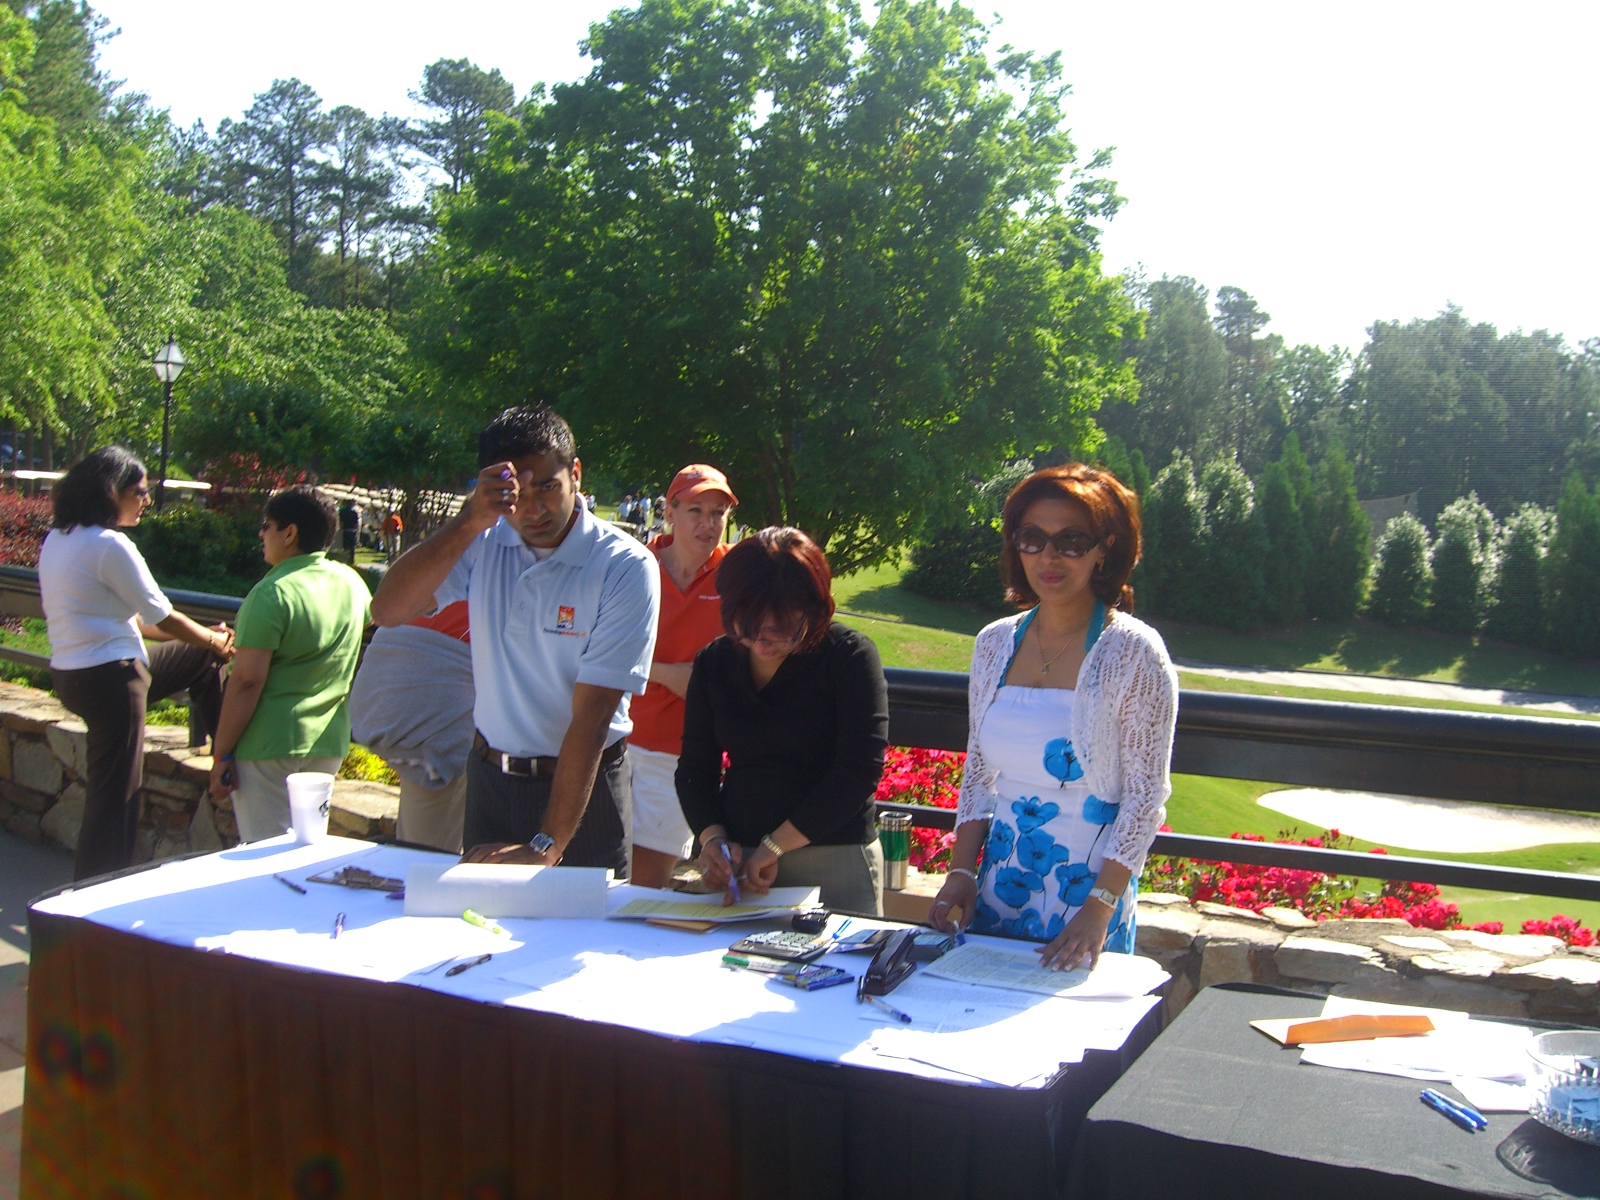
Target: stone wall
pixel 42 753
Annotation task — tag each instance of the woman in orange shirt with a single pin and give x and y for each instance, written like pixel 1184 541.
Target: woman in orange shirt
pixel 698 504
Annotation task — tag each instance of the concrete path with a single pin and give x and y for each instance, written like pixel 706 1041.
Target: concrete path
pixel 1442 826
pixel 1383 685
pixel 26 869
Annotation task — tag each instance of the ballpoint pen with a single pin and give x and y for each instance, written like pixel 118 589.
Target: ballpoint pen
pixel 1468 1118
pixel 289 883
pixel 338 925
pixel 469 964
pixel 733 878
pixel 903 1018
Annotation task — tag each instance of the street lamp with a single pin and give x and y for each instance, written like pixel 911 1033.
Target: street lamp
pixel 169 363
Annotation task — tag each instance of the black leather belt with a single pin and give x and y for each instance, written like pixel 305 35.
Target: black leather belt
pixel 533 768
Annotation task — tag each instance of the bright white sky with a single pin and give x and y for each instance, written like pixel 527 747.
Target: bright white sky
pixel 1341 162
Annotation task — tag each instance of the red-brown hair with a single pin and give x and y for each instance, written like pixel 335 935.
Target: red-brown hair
pixel 778 573
pixel 1113 513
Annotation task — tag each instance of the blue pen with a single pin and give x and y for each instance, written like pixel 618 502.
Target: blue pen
pixel 1466 1110
pixel 1447 1109
pixel 903 1018
pixel 837 932
pixel 733 879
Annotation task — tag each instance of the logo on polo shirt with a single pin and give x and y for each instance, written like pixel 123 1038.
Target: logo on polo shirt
pixel 566 617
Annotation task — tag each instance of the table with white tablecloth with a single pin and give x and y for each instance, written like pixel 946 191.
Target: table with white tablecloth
pixel 196 1029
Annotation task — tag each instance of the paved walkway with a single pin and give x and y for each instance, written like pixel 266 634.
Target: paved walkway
pixel 26 869
pixel 1442 826
pixel 1384 685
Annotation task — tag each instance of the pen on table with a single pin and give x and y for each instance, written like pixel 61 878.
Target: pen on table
pixel 733 878
pixel 289 883
pixel 482 922
pixel 1469 1119
pixel 903 1018
pixel 469 964
pixel 338 925
pixel 846 925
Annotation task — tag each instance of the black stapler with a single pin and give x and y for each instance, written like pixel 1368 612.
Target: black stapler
pixel 890 966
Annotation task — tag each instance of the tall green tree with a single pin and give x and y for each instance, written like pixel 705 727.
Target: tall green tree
pixel 1233 551
pixel 1517 613
pixel 1289 548
pixel 1167 583
pixel 461 96
pixel 1572 573
pixel 62 80
pixel 1402 585
pixel 1253 394
pixel 1341 538
pixel 1463 563
pixel 852 261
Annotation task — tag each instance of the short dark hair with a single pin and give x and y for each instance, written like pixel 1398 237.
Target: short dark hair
pixel 778 572
pixel 529 429
pixel 1113 511
pixel 309 511
pixel 87 494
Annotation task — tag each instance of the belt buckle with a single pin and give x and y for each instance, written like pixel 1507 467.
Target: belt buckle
pixel 505 765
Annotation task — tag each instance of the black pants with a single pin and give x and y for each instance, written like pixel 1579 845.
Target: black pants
pixel 111 699
pixel 508 808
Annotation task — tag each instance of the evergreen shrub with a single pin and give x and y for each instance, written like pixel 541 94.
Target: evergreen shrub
pixel 1233 550
pixel 202 549
pixel 1517 613
pixel 1571 576
pixel 1403 584
pixel 1462 562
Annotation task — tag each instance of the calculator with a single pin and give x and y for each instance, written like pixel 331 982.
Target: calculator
pixel 786 944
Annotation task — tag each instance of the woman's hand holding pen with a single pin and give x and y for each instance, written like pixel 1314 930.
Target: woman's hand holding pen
pixel 960 891
pixel 719 858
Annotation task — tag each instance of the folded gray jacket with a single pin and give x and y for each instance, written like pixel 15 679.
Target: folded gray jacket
pixel 411 704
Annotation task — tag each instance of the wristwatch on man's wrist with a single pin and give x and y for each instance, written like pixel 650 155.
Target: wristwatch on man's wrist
pixel 1106 896
pixel 540 842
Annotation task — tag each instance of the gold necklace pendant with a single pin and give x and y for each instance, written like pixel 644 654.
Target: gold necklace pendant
pixel 1039 641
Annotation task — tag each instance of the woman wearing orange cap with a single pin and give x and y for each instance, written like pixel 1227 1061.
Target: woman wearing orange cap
pixel 698 504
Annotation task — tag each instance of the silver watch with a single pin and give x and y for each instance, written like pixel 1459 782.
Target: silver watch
pixel 540 842
pixel 1106 896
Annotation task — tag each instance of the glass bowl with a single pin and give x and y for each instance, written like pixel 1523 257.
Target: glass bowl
pixel 1565 1083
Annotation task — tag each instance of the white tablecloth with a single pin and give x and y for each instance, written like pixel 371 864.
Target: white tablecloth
pixel 621 972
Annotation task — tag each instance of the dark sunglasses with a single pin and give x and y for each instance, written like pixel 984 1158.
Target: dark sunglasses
pixel 1072 543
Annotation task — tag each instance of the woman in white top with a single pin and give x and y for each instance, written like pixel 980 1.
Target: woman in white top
pixel 101 603
pixel 1072 707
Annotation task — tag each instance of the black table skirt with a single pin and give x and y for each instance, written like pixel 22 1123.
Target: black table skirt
pixel 161 1072
pixel 1216 1109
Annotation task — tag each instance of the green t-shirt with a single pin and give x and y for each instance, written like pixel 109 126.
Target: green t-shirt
pixel 310 613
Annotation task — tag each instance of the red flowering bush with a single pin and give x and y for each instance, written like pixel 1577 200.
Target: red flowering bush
pixel 916 776
pixel 1572 932
pixel 24 520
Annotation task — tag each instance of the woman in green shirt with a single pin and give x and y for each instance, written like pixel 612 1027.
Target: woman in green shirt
pixel 299 638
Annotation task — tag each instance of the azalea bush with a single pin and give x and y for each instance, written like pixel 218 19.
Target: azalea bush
pixel 915 776
pixel 1573 933
pixel 24 521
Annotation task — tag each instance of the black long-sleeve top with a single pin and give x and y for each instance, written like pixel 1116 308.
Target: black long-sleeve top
pixel 807 748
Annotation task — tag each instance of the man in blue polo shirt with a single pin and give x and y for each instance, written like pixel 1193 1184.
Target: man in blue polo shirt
pixel 563 614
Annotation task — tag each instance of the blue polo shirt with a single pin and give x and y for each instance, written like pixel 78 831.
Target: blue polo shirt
pixel 584 614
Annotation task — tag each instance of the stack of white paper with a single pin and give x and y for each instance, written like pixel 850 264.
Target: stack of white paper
pixel 505 890
pixel 1115 976
pixel 641 903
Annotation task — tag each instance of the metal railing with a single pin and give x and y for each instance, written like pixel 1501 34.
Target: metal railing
pixel 1535 762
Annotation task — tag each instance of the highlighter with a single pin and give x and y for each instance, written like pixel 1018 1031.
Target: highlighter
pixel 481 921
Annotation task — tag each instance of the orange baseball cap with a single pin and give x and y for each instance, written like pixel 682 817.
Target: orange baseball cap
pixel 698 477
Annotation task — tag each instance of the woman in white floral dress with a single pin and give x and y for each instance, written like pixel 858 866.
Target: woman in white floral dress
pixel 1072 706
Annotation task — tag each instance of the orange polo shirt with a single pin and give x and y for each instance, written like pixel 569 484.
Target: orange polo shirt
pixel 689 620
pixel 451 620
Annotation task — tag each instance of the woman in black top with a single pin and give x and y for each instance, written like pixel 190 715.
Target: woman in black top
pixel 798 704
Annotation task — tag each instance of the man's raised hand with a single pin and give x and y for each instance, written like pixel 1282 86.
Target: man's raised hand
pixel 495 496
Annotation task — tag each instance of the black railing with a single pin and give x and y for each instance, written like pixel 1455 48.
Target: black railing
pixel 1536 762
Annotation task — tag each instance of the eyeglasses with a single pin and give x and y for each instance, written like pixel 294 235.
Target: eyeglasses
pixel 1071 543
pixel 769 642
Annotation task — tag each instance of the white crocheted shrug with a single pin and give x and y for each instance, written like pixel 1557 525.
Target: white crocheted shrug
pixel 1123 717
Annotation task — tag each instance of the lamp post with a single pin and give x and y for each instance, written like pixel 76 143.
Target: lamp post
pixel 169 363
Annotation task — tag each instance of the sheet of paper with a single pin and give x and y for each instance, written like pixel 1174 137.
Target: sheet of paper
pixel 435 889
pixel 1459 1047
pixel 648 902
pixel 1116 976
pixel 1490 1095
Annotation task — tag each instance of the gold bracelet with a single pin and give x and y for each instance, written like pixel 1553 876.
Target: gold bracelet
pixel 777 850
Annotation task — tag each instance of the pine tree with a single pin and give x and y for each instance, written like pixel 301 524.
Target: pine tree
pixel 1341 538
pixel 1138 473
pixel 1517 611
pixel 1572 573
pixel 1403 583
pixel 1235 547
pixel 1174 529
pixel 1284 571
pixel 1462 561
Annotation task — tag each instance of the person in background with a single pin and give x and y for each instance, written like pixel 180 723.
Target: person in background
pixel 100 604
pixel 698 503
pixel 392 528
pixel 299 636
pixel 798 703
pixel 349 528
pixel 563 610
pixel 1073 704
pixel 424 733
pixel 625 510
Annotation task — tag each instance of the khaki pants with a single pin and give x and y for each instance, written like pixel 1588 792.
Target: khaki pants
pixel 433 816
pixel 261 805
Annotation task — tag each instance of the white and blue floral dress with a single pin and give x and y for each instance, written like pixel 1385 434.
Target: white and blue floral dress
pixel 1047 835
